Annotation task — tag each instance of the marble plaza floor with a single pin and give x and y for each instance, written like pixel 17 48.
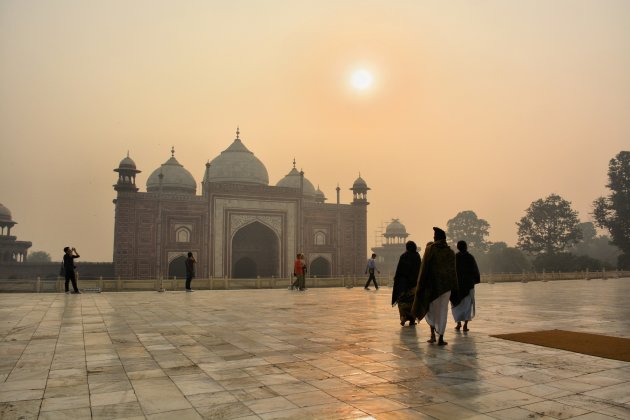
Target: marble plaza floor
pixel 324 353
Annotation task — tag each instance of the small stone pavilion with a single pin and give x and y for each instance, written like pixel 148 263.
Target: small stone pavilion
pixel 11 250
pixel 389 252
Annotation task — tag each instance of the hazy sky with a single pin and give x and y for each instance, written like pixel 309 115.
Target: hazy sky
pixel 477 105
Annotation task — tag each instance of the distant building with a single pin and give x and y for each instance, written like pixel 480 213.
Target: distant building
pixel 239 227
pixel 388 253
pixel 11 250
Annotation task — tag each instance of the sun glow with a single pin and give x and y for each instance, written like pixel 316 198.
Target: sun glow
pixel 361 79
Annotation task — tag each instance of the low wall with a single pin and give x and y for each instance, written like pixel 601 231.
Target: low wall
pixel 50 270
pixel 43 285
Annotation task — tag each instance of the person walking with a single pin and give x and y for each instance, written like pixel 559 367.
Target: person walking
pixel 190 271
pixel 371 268
pixel 298 272
pixel 463 299
pixel 70 269
pixel 436 280
pixel 405 281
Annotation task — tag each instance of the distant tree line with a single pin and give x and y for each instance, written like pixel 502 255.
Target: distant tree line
pixel 551 236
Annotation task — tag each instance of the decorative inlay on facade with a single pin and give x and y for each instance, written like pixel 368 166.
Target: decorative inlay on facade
pixel 255 209
pixel 237 221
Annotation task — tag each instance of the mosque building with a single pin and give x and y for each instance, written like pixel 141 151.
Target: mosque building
pixel 238 226
pixel 11 250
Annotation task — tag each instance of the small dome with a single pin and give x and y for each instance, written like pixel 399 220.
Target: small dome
pixel 395 228
pixel 5 214
pixel 319 194
pixel 292 180
pixel 127 163
pixel 175 178
pixel 237 164
pixel 359 184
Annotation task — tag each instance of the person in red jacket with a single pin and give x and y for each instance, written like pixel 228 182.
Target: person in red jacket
pixel 299 271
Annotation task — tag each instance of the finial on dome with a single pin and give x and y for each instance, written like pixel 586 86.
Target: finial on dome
pixel 127 152
pixel 238 132
pixel 293 163
pixel 173 151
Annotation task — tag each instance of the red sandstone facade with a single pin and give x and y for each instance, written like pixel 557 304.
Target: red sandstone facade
pixel 239 227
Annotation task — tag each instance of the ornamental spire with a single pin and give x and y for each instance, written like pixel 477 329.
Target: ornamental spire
pixel 172 151
pixel 238 132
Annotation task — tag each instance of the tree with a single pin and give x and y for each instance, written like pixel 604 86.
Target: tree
pixel 500 258
pixel 588 231
pixel 613 212
pixel 594 246
pixel 549 226
pixel 466 226
pixel 39 257
pixel 564 261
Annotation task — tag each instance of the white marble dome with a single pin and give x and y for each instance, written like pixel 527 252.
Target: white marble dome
pixel 292 180
pixel 175 178
pixel 319 195
pixel 237 164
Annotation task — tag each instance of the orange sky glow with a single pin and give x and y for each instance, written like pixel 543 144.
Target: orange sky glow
pixel 483 106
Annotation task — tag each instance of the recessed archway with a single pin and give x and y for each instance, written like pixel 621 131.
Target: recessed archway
pixel 255 252
pixel 320 267
pixel 177 267
pixel 245 268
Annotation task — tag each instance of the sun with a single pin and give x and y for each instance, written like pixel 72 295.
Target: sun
pixel 361 79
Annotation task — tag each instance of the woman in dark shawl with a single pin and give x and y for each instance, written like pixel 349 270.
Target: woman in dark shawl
pixel 405 281
pixel 463 300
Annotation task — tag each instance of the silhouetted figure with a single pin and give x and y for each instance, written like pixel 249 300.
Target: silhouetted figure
pixel 371 268
pixel 436 280
pixel 405 281
pixel 463 299
pixel 70 269
pixel 190 271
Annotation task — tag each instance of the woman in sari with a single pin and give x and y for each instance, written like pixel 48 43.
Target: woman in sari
pixel 405 281
pixel 463 299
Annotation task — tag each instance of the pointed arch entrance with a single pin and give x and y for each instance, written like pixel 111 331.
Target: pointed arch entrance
pixel 320 267
pixel 177 267
pixel 255 252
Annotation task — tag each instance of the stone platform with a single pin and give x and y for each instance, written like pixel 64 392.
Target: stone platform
pixel 331 353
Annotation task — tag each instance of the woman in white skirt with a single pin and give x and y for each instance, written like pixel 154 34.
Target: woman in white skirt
pixel 463 299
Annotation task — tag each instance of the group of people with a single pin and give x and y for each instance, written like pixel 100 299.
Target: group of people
pixel 424 286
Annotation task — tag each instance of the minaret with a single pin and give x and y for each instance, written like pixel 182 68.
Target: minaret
pixel 360 203
pixel 359 192
pixel 126 175
pixel 205 184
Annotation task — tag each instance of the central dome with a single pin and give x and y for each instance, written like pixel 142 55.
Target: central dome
pixel 237 164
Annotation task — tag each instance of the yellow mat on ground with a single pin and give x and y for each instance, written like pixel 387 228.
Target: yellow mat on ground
pixel 616 348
